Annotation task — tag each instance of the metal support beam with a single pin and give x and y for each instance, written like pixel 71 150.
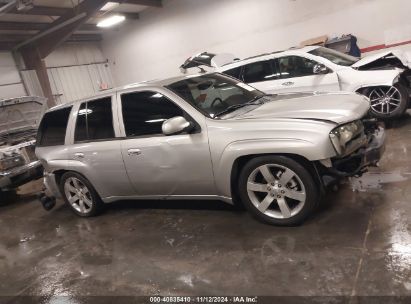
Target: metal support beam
pixel 153 3
pixel 58 11
pixel 52 29
pixel 62 28
pixel 7 46
pixel 18 38
pixel 38 26
pixel 8 7
pixel 33 61
pixel 43 11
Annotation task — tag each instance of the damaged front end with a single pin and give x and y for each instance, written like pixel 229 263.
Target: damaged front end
pixel 19 118
pixel 359 145
pixel 389 60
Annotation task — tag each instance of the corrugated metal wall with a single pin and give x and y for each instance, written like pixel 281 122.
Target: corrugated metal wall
pixel 11 84
pixel 76 82
pixel 75 71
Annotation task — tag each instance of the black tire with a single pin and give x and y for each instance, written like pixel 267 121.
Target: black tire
pixel 311 190
pixel 375 111
pixel 96 206
pixel 7 196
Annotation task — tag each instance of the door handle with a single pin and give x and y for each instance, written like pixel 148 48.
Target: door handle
pixel 79 155
pixel 133 152
pixel 288 83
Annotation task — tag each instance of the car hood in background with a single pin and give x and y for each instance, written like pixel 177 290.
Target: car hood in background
pixel 335 107
pixel 404 57
pixel 20 114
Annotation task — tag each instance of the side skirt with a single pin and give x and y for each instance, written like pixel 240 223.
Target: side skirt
pixel 225 199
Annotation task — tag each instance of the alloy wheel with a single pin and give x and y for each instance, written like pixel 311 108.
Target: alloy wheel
pixel 276 191
pixel 78 195
pixel 385 100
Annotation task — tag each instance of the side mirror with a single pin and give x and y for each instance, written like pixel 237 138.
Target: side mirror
pixel 176 125
pixel 320 69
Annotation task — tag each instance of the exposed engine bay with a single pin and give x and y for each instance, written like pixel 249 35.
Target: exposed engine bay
pixel 19 118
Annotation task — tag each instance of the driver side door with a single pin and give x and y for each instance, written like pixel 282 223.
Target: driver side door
pixel 159 165
pixel 296 74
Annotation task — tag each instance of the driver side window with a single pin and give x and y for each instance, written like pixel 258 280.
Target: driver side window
pixel 145 112
pixel 295 66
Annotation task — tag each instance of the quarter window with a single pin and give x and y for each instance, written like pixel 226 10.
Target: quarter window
pixel 295 66
pixel 52 129
pixel 94 120
pixel 145 112
pixel 259 71
pixel 236 72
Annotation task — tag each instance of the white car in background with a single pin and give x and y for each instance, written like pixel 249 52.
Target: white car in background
pixel 384 78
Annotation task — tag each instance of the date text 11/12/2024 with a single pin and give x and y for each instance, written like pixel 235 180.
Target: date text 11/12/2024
pixel 204 299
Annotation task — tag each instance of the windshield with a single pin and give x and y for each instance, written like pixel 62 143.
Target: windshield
pixel 215 93
pixel 335 56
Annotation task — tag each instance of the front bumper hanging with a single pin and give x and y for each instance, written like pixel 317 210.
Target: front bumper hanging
pixel 19 176
pixel 356 163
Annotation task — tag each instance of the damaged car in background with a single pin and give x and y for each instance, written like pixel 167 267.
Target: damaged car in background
pixel 385 78
pixel 19 118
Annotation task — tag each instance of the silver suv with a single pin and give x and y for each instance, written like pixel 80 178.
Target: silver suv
pixel 206 136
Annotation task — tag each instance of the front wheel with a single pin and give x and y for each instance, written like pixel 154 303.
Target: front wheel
pixel 278 190
pixel 80 195
pixel 388 101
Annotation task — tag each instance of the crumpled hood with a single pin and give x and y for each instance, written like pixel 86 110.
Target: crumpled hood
pixel 22 113
pixel 404 57
pixel 336 107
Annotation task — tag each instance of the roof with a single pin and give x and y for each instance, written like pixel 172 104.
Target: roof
pixel 150 83
pixel 267 56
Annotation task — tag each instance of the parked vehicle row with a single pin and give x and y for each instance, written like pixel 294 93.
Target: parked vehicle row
pixel 207 136
pixel 384 78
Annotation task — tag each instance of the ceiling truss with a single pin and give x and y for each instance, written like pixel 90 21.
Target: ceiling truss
pixel 16 34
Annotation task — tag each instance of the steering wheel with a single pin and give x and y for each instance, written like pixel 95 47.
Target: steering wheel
pixel 219 100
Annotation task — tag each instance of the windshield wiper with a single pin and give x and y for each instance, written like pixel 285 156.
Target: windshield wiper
pixel 253 101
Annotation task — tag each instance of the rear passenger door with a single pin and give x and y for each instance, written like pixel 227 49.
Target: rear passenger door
pixel 159 165
pixel 95 150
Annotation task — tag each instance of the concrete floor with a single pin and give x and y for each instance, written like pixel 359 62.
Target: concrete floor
pixel 359 243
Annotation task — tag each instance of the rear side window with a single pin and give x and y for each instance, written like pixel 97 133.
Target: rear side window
pixel 94 121
pixel 52 130
pixel 145 112
pixel 236 72
pixel 259 71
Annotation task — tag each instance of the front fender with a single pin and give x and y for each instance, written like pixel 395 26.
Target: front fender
pixel 309 150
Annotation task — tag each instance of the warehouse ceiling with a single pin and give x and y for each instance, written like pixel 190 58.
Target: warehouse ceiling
pixel 23 20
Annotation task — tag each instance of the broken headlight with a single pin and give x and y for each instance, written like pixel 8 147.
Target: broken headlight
pixel 12 161
pixel 342 135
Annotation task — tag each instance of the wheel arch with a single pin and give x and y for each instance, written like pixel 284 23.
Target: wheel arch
pixel 241 161
pixel 400 85
pixel 58 174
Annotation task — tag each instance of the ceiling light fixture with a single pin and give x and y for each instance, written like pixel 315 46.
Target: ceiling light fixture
pixel 110 21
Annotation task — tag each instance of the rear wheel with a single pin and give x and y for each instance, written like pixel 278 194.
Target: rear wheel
pixel 80 195
pixel 388 101
pixel 278 190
